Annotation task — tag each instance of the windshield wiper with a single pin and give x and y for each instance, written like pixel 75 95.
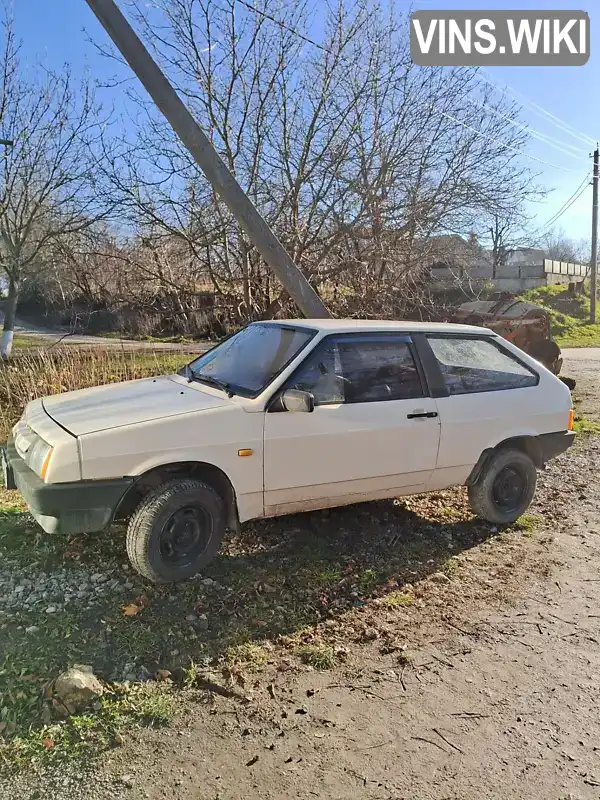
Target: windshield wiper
pixel 222 385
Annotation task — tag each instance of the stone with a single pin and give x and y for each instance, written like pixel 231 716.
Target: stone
pixel 77 688
pixel 51 610
pixel 370 634
pixel 439 577
pixel 202 623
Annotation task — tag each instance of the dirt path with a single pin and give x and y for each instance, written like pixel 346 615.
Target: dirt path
pixel 486 688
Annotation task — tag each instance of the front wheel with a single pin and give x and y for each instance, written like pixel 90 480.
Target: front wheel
pixel 176 530
pixel 505 488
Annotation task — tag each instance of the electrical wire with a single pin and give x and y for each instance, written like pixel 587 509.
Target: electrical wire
pixel 281 24
pixel 567 205
pixel 508 147
pixel 556 143
pixel 557 121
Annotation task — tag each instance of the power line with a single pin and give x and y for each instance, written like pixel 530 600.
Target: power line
pixel 567 205
pixel 281 24
pixel 506 146
pixel 557 121
pixel 556 143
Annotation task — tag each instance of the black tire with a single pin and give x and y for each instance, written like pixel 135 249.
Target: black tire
pixel 176 530
pixel 505 488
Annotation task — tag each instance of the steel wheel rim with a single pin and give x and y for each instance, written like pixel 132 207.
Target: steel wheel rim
pixel 510 488
pixel 184 536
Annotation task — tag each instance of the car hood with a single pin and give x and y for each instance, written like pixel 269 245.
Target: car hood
pixel 117 404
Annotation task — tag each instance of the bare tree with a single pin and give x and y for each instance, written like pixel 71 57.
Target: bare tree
pixel 47 177
pixel 559 247
pixel 355 157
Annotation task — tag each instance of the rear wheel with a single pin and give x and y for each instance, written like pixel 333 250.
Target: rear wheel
pixel 505 488
pixel 176 530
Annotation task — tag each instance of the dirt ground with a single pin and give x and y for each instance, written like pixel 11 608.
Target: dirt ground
pixel 487 687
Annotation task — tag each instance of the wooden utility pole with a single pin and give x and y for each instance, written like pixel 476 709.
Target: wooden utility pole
pixel 207 158
pixel 594 259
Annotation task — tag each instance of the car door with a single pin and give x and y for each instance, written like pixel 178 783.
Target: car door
pixel 489 396
pixel 374 430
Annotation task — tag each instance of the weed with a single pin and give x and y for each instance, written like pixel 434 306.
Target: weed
pixel 190 675
pixel 247 654
pixel 155 709
pixel 91 733
pixel 319 656
pixel 398 599
pixel 404 659
pixel 584 426
pixel 368 580
pixel 526 523
pixel 449 566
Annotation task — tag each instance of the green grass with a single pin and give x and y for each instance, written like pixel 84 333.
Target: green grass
pixel 527 523
pixel 25 342
pixel 569 315
pixel 250 655
pixel 318 656
pixel 82 735
pixel 398 599
pixel 585 426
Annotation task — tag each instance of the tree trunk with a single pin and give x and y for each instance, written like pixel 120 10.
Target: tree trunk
pixel 9 319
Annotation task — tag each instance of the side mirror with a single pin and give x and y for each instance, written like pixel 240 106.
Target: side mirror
pixel 296 400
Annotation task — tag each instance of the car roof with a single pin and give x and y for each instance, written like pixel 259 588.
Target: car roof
pixel 378 325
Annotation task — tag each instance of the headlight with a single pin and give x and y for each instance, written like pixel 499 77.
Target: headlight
pixel 38 457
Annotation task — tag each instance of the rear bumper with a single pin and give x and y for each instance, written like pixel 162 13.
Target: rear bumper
pixel 78 507
pixel 553 444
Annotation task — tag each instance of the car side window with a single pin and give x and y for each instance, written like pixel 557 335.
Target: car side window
pixel 479 365
pixel 321 374
pixel 353 370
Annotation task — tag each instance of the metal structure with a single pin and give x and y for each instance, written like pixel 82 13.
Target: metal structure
pixel 524 324
pixel 207 158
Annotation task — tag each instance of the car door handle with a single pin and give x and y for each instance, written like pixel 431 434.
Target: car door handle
pixel 427 414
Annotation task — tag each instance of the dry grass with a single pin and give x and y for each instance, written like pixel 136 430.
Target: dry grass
pixel 30 375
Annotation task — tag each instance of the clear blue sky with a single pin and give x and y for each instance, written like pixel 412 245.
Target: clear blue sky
pixel 53 31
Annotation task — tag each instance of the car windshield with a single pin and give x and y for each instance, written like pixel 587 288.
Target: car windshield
pixel 247 362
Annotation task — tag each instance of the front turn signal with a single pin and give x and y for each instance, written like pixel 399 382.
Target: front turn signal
pixel 571 419
pixel 45 465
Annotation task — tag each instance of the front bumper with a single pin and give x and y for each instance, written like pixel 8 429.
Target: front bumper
pixel 77 507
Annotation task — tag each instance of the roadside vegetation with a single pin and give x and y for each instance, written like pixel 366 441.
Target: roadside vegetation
pixel 38 373
pixel 569 315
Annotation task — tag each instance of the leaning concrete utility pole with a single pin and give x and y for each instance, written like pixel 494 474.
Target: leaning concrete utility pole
pixel 207 158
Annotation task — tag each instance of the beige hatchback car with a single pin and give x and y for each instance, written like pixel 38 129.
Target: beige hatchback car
pixel 287 416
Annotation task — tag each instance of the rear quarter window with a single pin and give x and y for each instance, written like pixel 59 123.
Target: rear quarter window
pixel 479 365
